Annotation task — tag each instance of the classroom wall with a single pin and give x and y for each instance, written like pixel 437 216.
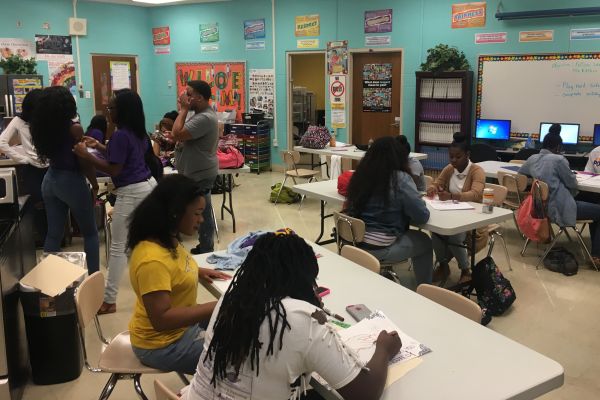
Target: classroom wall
pixel 418 25
pixel 308 70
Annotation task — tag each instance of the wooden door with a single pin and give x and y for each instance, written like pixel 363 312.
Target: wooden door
pixel 376 84
pixel 103 87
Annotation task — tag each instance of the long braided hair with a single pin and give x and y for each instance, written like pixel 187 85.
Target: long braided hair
pixel 278 266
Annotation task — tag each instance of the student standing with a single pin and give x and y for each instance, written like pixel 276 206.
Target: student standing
pixel 64 186
pixel 461 180
pixel 196 130
pixel 125 163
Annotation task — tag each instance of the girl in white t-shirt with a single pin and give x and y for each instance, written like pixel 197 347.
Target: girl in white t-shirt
pixel 268 333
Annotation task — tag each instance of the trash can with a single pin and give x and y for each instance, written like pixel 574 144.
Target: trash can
pixel 55 350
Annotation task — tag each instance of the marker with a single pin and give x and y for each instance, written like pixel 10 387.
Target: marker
pixel 334 315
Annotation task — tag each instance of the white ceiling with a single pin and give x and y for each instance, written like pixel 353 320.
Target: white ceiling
pixel 133 3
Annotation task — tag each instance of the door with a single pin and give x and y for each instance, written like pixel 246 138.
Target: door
pixel 376 95
pixel 103 80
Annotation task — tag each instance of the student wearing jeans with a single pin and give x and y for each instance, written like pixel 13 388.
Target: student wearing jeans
pixel 126 164
pixel 383 194
pixel 461 180
pixel 64 186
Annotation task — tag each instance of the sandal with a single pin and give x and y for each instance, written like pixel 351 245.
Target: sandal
pixel 107 308
pixel 441 274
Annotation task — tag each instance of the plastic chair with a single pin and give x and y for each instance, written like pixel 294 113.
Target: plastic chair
pixel 162 392
pixel 518 162
pixel 362 258
pixel 451 300
pixel 428 181
pixel 291 160
pixel 493 230
pixel 483 152
pixel 117 358
pixel 515 185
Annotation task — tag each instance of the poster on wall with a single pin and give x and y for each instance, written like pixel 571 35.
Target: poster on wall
pixel 378 21
pixel 61 71
pixel 254 29
pixel 536 36
pixel 337 98
pixel 377 87
pixel 575 34
pixel 15 46
pixel 468 15
pixel 492 37
pixel 120 75
pixel 22 86
pixel 161 36
pixel 53 44
pixel 337 57
pixel 209 33
pixel 227 79
pixel 307 43
pixel 261 85
pixel 308 25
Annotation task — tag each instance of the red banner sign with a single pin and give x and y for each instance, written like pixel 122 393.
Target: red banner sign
pixel 161 36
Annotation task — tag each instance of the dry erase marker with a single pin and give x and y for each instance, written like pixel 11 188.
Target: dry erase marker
pixel 334 315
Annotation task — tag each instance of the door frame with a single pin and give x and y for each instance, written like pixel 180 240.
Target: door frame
pixel 137 72
pixel 351 53
pixel 288 91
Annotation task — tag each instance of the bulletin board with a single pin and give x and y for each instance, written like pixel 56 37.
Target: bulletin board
pixel 227 79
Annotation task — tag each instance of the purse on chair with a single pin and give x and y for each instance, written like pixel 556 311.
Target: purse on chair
pixel 532 217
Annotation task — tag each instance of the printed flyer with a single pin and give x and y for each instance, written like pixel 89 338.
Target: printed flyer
pixel 261 85
pixel 209 33
pixel 15 46
pixel 337 57
pixel 308 25
pixel 468 15
pixel 379 21
pixel 52 44
pixel 377 87
pixel 254 29
pixel 161 36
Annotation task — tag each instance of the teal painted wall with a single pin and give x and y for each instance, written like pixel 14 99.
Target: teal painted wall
pixel 418 25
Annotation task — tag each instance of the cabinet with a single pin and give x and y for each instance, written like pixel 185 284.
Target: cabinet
pixel 443 107
pixel 256 144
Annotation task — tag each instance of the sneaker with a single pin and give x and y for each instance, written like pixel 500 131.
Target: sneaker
pixel 441 273
pixel 107 308
pixel 199 250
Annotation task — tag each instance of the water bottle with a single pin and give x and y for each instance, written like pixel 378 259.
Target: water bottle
pixel 488 201
pixel 529 143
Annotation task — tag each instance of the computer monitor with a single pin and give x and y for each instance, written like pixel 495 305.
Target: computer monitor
pixel 495 129
pixel 597 135
pixel 568 132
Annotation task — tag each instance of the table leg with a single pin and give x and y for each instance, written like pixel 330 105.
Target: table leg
pixel 224 195
pixel 473 237
pixel 322 232
pixel 228 191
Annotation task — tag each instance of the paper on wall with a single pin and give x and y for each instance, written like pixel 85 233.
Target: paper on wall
pixel 261 86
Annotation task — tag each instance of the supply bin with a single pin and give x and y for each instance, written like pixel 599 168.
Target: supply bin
pixel 47 297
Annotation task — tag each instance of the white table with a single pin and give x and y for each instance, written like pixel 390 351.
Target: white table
pixel 468 361
pixel 491 169
pixel 440 222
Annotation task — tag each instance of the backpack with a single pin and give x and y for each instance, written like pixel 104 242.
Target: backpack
pixel 343 181
pixel 287 195
pixel 316 137
pixel 230 157
pixel 494 292
pixel 561 260
pixel 154 163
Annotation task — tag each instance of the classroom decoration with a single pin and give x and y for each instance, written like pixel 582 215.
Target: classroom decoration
pixel 254 29
pixel 443 58
pixel 58 52
pixel 492 37
pixel 16 64
pixel 307 43
pixel 308 25
pixel 337 99
pixel 378 21
pixel 377 87
pixel 468 15
pixel 209 33
pixel 261 85
pixel 532 88
pixel 378 40
pixel 15 46
pixel 161 39
pixel 536 36
pixel 227 80
pixel 337 57
pixel 575 34
pixel 120 75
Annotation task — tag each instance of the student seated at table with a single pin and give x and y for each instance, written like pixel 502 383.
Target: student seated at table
pixel 552 168
pixel 383 194
pixel 268 333
pixel 461 180
pixel 593 164
pixel 415 166
pixel 162 145
pixel 166 324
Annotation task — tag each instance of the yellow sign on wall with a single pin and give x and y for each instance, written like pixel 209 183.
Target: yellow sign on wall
pixel 308 25
pixel 307 43
pixel 468 15
pixel 536 36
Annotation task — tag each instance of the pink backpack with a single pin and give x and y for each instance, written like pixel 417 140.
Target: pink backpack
pixel 230 157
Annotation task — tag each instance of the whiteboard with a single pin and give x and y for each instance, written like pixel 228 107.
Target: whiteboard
pixel 529 89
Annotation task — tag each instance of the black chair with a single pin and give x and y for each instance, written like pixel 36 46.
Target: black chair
pixel 524 154
pixel 483 152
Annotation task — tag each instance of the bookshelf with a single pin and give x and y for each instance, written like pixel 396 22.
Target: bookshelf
pixel 443 106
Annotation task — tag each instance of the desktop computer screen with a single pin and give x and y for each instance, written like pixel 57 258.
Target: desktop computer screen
pixel 597 135
pixel 568 132
pixel 495 129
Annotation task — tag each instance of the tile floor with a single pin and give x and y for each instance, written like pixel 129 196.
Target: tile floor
pixel 554 314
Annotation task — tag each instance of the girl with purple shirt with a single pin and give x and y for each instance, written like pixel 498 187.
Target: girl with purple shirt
pixel 125 163
pixel 97 128
pixel 64 186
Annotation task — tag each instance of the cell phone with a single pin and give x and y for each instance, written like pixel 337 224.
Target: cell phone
pixel 358 311
pixel 322 291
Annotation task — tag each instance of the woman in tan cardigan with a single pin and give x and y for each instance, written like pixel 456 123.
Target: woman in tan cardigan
pixel 461 180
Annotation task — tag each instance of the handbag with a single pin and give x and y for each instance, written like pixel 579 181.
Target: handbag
pixel 316 137
pixel 343 181
pixel 532 217
pixel 230 157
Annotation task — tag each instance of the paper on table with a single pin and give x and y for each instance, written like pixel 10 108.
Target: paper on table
pixel 584 176
pixel 594 181
pixel 397 371
pixel 448 205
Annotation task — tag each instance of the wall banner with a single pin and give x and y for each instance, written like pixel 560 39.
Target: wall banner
pixel 227 80
pixel 377 87
pixel 254 29
pixel 536 36
pixel 161 36
pixel 308 25
pixel 379 21
pixel 15 46
pixel 468 15
pixel 209 33
pixel 337 57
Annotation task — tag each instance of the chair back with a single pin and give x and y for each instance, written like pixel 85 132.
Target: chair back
pixel 349 229
pixel 518 162
pixel 500 193
pixel 291 159
pixel 483 152
pixel 362 258
pixel 452 301
pixel 428 181
pixel 524 154
pixel 88 298
pixel 515 184
pixel 542 192
pixel 162 392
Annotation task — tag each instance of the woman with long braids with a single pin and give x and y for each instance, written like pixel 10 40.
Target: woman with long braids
pixel 268 333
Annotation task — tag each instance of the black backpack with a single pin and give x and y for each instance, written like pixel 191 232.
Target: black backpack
pixel 561 260
pixel 494 292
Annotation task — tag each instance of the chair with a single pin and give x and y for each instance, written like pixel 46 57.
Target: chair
pixel 117 358
pixel 483 152
pixel 516 185
pixel 543 194
pixel 493 230
pixel 291 159
pixel 361 257
pixel 428 181
pixel 524 154
pixel 518 162
pixel 451 300
pixel 162 392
